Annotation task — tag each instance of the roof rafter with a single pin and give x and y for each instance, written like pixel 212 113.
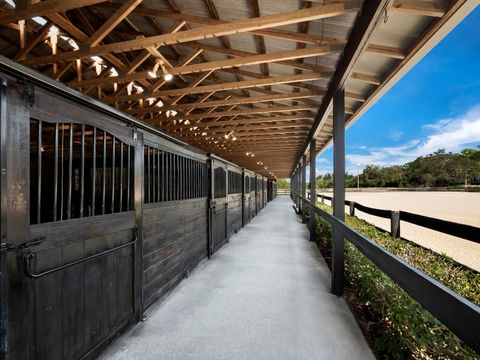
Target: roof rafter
pixel 44 8
pixel 220 87
pixel 234 27
pixel 112 22
pixel 215 65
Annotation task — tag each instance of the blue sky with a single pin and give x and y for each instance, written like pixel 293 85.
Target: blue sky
pixel 436 105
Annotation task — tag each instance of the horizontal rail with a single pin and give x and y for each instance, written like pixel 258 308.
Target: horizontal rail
pixel 460 315
pixel 463 231
pixel 467 232
pixel 28 261
pixel 372 211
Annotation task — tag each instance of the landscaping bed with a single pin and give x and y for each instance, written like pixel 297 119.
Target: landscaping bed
pixel 395 325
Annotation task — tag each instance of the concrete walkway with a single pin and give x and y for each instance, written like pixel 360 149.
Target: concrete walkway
pixel 265 295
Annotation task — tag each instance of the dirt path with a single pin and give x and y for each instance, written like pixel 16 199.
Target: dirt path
pixel 459 207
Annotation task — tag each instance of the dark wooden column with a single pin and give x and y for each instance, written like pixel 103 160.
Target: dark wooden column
pixel 304 188
pixel 313 190
pixel 338 189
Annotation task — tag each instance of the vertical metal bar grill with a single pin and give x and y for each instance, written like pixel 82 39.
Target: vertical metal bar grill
pixel 94 169
pixel 39 172
pixel 55 176
pixel 112 204
pixel 82 172
pixel 70 165
pixel 129 160
pixel 120 205
pixel 104 171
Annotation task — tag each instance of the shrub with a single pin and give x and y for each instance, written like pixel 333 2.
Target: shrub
pixel 397 326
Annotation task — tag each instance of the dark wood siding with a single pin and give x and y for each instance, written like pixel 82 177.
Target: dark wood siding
pixel 175 241
pixel 131 222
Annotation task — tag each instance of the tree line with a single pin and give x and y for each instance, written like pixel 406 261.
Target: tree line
pixel 439 169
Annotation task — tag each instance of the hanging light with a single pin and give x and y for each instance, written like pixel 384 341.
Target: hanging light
pixel 153 72
pixel 53 35
pixel 166 74
pixel 129 88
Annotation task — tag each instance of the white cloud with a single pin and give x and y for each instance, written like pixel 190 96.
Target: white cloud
pixel 395 135
pixel 452 134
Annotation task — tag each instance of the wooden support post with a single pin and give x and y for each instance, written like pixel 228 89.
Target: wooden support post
pixel 21 28
pixel 304 188
pixel 338 190
pixel 352 208
pixel 313 190
pixel 395 224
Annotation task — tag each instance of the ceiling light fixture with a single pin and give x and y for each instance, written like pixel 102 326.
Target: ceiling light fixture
pixel 153 73
pixel 166 74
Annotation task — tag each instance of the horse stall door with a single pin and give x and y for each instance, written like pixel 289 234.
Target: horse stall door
pixel 247 216
pixel 258 193
pixel 253 199
pixel 175 207
pixel 234 198
pixel 71 218
pixel 3 236
pixel 219 205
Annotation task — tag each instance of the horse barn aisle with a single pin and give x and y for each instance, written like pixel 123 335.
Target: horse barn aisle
pixel 266 295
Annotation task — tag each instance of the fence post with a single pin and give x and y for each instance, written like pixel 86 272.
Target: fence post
pixel 313 190
pixel 352 208
pixel 395 224
pixel 323 199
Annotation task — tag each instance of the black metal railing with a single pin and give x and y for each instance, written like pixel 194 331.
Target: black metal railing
pixel 460 315
pixel 463 231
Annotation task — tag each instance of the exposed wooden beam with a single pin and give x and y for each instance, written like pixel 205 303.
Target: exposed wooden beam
pixel 219 87
pixel 34 41
pixel 425 8
pixel 371 15
pixel 192 84
pixel 126 8
pixel 260 39
pixel 242 100
pixel 214 65
pixel 387 51
pixel 273 33
pixel 241 53
pixel 296 125
pixel 240 26
pixel 255 111
pixel 241 121
pixel 81 37
pixel 371 79
pixel 44 8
